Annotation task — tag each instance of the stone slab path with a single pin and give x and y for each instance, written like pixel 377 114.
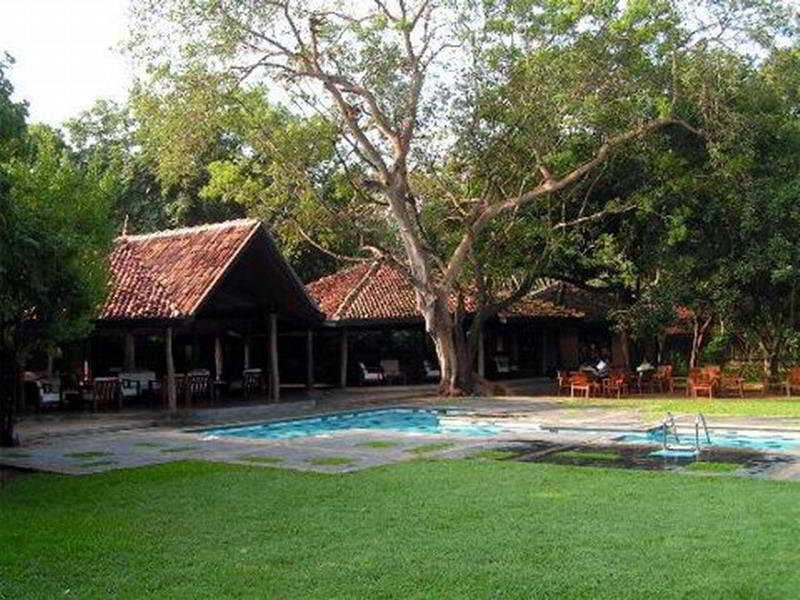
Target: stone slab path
pixel 86 444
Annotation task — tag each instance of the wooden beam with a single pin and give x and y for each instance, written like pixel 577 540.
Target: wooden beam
pixel 544 352
pixel 309 360
pixel 343 358
pixel 481 355
pixel 129 362
pixel 218 358
pixel 275 378
pixel 172 398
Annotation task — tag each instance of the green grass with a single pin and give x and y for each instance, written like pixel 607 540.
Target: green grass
pixel 428 448
pixel 713 467
pixel 722 407
pixel 178 449
pixel 587 455
pixel 267 460
pixel 84 455
pixel 379 444
pixel 493 454
pixel 331 461
pixel 422 529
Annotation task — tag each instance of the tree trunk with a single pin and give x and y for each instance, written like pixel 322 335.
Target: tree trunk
pixel 455 376
pixel 700 329
pixel 770 353
pixel 10 396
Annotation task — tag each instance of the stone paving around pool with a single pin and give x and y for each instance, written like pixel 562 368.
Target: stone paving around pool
pixel 94 446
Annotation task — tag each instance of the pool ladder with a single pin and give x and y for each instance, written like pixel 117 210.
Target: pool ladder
pixel 699 420
pixel 668 426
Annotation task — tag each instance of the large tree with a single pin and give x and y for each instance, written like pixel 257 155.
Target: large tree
pixel 525 98
pixel 53 250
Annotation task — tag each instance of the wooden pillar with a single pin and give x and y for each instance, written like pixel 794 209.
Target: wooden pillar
pixel 343 358
pixel 275 378
pixel 218 358
pixel 129 362
pixel 309 360
pixel 481 354
pixel 544 352
pixel 172 398
pixel 247 352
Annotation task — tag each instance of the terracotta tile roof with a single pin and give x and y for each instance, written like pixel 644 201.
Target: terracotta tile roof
pixel 166 275
pixel 380 292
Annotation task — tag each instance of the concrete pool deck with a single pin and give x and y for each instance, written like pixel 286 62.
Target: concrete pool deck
pixel 86 444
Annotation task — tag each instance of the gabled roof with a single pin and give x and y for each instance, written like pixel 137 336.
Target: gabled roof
pixel 169 274
pixel 379 292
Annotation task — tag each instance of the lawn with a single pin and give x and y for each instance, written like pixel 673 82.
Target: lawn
pixel 422 529
pixel 728 407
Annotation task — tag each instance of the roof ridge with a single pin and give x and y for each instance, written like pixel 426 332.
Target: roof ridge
pixel 164 289
pixel 353 294
pixel 191 229
pixel 338 274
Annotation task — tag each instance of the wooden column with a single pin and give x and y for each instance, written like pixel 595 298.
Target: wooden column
pixel 218 358
pixel 247 352
pixel 481 355
pixel 172 398
pixel 309 360
pixel 275 378
pixel 544 352
pixel 343 358
pixel 129 362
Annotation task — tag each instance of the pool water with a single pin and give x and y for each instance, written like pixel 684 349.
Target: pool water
pixel 755 440
pixel 405 420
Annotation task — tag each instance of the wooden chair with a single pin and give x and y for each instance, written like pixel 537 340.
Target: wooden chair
pixel 617 382
pixel 563 381
pixel 198 386
pixel 252 382
pixel 581 382
pixel 703 381
pixel 646 382
pixel 392 372
pixel 107 392
pixel 792 380
pixel 732 382
pixel 663 378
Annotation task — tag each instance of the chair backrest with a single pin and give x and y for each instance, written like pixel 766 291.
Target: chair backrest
pixel 106 389
pixel 430 369
pixel 697 374
pixel 794 375
pixel 579 378
pixel 198 382
pixel 391 367
pixel 502 363
pixel 713 371
pixel 252 379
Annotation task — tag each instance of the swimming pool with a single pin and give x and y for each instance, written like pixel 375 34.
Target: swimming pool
pixel 758 439
pixel 406 420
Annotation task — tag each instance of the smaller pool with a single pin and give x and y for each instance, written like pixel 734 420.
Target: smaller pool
pixel 763 440
pixel 405 420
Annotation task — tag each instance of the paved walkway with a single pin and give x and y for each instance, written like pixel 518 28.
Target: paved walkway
pixel 92 443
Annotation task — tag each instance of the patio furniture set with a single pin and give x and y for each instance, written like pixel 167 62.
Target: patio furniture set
pixel 707 381
pixel 391 373
pixel 136 387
